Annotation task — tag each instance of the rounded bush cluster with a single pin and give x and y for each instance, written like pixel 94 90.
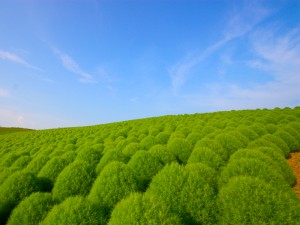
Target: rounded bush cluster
pixel 9 159
pixel 131 149
pixel 89 155
pixel 15 188
pixel 161 153
pixel 229 143
pixel 75 179
pixel 207 156
pixel 248 132
pixel 22 162
pixel 37 164
pixel 76 210
pixel 5 172
pixel 251 201
pixel 180 148
pixel 142 209
pixel 188 194
pixel 32 210
pixel 288 139
pixel 279 142
pixel 144 167
pixel 213 145
pixel 115 182
pixel 162 138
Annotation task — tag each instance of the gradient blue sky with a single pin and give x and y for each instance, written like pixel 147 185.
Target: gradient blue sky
pixel 84 62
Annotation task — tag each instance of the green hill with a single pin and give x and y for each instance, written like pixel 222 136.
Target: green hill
pixel 8 130
pixel 212 168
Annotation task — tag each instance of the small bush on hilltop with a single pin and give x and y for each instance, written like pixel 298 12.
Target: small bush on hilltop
pixel 251 201
pixel 14 189
pixel 112 155
pixel 144 166
pixel 32 209
pixel 161 153
pixel 188 194
pixel 76 210
pixel 213 145
pixel 207 156
pixel 115 182
pixel 75 179
pixel 180 148
pixel 142 209
pixel 255 168
pixel 36 164
pixel 53 168
pixel 288 139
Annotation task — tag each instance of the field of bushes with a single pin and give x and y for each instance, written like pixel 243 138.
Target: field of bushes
pixel 212 168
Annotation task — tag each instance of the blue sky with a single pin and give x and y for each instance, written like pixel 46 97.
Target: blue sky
pixel 84 62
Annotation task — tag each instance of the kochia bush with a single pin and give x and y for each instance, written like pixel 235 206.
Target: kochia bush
pixel 37 164
pixel 14 189
pixel 143 209
pixel 115 182
pixel 251 201
pixel 229 142
pixel 32 210
pixel 288 139
pixel 22 162
pixel 75 179
pixel 180 148
pixel 144 167
pixel 213 145
pixel 76 210
pixel 161 153
pixel 89 155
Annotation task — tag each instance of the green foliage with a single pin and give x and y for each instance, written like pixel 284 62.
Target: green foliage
pixel 253 167
pixel 144 167
pixel 115 182
pixel 9 159
pixel 131 149
pixel 279 142
pixel 188 194
pixel 248 132
pixel 5 172
pixel 69 156
pixel 37 164
pixel 147 142
pixel 162 138
pixel 32 209
pixel 75 179
pixel 142 209
pixel 288 139
pixel 207 156
pixel 229 142
pixel 76 210
pixel 251 201
pixel 213 145
pixel 22 161
pixel 53 168
pixel 15 188
pixel 112 155
pixel 161 153
pixel 180 148
pixel 89 155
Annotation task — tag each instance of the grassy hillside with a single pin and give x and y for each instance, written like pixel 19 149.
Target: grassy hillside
pixel 8 130
pixel 213 168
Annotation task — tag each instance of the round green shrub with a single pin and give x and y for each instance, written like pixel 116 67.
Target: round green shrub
pixel 213 145
pixel 259 129
pixel 147 142
pixel 281 162
pixel 207 156
pixel 288 139
pixel 69 156
pixel 188 194
pixel 248 132
pixel 281 167
pixel 90 155
pixel 193 137
pixel 142 209
pixel 293 132
pixel 115 182
pixel 144 167
pixel 161 153
pixel 239 136
pixel 251 201
pixel 112 155
pixel 9 159
pixel 208 174
pixel 131 149
pixel 180 148
pixel 15 188
pixel 22 162
pixel 262 142
pixel 229 142
pixel 162 138
pixel 255 168
pixel 75 179
pixel 36 164
pixel 5 172
pixel 53 168
pixel 279 142
pixel 76 210
pixel 295 125
pixel 271 128
pixel 32 210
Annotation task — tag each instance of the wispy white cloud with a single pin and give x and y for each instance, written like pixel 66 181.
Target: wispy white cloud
pixel 70 65
pixel 16 59
pixel 240 23
pixel 4 93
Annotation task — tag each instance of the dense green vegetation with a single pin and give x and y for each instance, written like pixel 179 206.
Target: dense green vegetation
pixel 212 168
pixel 8 130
